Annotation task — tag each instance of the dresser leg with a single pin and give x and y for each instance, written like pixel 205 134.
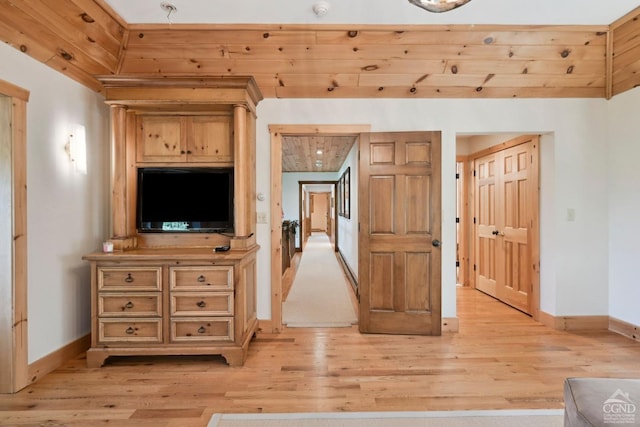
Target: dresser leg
pixel 235 357
pixel 96 358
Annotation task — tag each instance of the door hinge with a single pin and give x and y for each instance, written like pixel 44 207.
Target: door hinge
pixel 474 267
pixel 474 219
pixel 457 176
pixel 358 154
pixel 457 220
pixel 474 172
pixel 358 227
pixel 457 263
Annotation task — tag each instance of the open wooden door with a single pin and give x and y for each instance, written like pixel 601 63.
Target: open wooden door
pixel 400 224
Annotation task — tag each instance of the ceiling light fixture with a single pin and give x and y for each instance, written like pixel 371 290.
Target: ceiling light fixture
pixel 438 6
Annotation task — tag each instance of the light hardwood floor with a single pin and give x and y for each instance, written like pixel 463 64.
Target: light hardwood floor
pixel 500 359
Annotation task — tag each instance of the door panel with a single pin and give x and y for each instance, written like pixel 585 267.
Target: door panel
pixel 399 266
pixel 486 224
pixel 515 284
pixel 506 207
pixel 382 213
pixel 417 190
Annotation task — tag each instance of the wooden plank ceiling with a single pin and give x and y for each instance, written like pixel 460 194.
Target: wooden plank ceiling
pixel 85 39
pixel 315 153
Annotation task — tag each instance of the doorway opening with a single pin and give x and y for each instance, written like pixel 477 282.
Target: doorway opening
pixel 497 247
pixel 278 133
pixel 316 292
pixel 14 368
pixel 317 211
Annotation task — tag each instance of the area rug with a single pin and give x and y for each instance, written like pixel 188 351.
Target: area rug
pixel 505 418
pixel 319 296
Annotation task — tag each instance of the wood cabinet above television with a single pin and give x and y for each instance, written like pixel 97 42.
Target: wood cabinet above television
pixel 186 139
pixel 182 121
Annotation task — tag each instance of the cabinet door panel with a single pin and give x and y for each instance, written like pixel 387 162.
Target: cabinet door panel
pixel 210 139
pixel 161 139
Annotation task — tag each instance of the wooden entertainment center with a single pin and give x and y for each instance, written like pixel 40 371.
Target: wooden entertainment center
pixel 171 293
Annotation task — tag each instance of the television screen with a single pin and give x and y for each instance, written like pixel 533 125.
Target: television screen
pixel 185 199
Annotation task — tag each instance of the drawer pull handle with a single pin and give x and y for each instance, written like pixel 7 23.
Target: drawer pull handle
pixel 129 278
pixel 130 330
pixel 128 305
pixel 202 330
pixel 201 304
pixel 201 278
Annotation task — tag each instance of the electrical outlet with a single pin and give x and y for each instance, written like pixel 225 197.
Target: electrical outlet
pixel 261 217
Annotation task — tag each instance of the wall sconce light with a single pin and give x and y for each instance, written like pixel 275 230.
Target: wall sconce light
pixel 77 149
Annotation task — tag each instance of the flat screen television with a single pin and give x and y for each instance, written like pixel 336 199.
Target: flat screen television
pixel 185 199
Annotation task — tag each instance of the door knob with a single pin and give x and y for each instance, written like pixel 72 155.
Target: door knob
pixel 436 243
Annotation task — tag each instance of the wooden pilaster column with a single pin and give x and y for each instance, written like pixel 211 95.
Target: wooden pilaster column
pixel 118 171
pixel 242 161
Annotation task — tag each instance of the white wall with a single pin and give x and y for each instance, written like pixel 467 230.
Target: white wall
pixel 573 175
pixel 348 227
pixel 624 207
pixel 67 213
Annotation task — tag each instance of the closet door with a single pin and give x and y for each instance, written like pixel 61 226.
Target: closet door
pixel 506 212
pixel 486 224
pixel 514 270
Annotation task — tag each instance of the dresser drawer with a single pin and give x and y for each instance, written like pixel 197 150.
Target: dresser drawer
pixel 131 331
pixel 202 304
pixel 129 278
pixel 129 304
pixel 201 278
pixel 203 329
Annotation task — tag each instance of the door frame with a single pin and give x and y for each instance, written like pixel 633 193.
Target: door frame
pixel 334 226
pixel 14 368
pixel 276 133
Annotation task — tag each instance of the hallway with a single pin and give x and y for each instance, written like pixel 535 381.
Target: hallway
pixel 320 295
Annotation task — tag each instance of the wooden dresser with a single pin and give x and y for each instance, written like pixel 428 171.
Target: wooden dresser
pixel 170 293
pixel 172 301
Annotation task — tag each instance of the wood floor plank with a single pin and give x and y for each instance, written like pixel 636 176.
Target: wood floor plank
pixel 499 359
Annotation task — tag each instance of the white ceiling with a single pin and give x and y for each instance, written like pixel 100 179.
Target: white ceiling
pixel 398 12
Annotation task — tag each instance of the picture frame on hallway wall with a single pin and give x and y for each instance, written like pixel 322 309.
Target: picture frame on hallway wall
pixel 344 190
pixel 341 196
pixel 347 193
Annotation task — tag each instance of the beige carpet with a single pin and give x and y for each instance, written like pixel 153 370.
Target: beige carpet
pixel 319 296
pixel 510 418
